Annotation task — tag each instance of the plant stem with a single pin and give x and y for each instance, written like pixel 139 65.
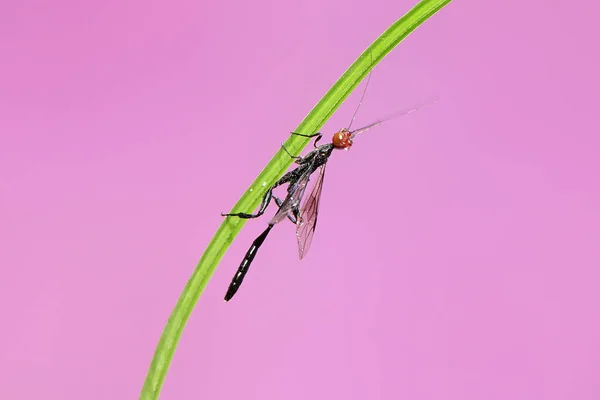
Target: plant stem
pixel 276 167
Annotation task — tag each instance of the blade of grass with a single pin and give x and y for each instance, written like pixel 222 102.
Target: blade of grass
pixel 280 162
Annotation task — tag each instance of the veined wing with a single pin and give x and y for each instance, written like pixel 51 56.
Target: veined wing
pixel 294 197
pixel 307 223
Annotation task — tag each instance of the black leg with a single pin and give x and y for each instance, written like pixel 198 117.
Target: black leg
pixel 296 212
pixel 291 217
pixel 305 135
pixel 263 206
pixel 317 135
pixel 290 154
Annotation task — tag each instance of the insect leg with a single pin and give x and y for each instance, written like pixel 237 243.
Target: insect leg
pixel 238 278
pixel 317 135
pixel 296 214
pixel 292 217
pixel 263 206
pixel 297 158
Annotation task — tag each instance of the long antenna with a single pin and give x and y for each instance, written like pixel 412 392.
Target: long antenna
pixel 363 93
pixel 397 114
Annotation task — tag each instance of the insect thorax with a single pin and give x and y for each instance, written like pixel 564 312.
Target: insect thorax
pixel 323 153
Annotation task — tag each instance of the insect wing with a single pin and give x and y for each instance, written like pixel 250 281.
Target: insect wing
pixel 293 198
pixel 307 223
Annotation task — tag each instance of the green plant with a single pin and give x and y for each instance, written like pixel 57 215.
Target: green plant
pixel 274 169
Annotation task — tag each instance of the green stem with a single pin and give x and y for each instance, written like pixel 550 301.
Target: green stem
pixel 276 167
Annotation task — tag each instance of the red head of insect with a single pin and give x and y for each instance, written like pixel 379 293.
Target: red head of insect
pixel 342 140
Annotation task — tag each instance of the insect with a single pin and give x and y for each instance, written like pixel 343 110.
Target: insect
pixel 304 215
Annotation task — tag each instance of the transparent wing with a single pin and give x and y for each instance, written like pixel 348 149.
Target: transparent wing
pixel 307 223
pixel 293 198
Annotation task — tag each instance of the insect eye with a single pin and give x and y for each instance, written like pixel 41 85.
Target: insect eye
pixel 339 140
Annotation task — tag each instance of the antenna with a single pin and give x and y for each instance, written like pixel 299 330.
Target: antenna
pixel 363 93
pixel 401 113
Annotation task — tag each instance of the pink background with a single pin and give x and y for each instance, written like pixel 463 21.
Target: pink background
pixel 457 252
